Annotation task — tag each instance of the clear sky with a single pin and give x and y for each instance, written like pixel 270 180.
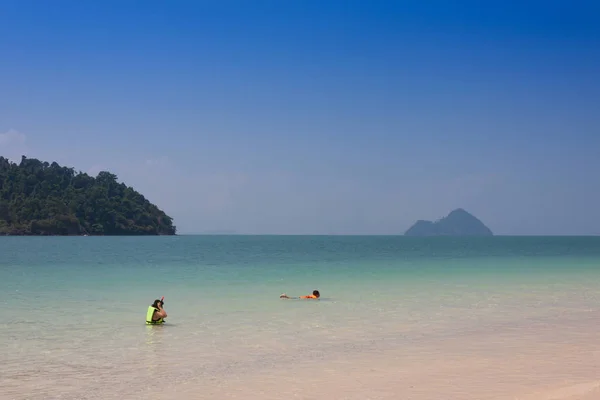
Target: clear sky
pixel 310 116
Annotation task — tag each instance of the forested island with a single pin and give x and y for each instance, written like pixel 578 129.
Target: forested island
pixel 457 223
pixel 39 198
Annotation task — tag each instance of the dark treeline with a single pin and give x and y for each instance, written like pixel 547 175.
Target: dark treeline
pixel 38 198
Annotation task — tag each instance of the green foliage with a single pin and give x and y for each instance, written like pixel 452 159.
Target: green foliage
pixel 37 198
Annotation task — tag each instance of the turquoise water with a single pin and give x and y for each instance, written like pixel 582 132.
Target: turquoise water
pixel 73 308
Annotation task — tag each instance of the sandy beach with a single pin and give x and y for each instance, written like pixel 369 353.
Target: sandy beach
pixel 545 361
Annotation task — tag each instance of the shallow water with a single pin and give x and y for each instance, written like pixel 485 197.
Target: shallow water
pixel 395 310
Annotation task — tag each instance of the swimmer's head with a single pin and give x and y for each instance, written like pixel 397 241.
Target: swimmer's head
pixel 316 293
pixel 156 303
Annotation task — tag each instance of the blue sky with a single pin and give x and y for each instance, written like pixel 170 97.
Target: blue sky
pixel 340 117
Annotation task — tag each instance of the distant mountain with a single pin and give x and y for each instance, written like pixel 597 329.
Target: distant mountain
pixel 458 223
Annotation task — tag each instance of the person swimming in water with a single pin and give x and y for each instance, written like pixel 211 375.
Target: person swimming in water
pixel 315 295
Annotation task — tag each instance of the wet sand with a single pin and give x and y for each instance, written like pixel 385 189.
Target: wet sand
pixel 539 362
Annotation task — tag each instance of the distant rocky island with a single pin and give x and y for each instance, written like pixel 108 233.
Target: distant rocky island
pixel 38 198
pixel 458 223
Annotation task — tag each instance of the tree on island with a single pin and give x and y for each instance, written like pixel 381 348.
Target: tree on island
pixel 38 198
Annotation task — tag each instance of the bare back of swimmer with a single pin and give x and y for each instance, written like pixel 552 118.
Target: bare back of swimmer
pixel 315 295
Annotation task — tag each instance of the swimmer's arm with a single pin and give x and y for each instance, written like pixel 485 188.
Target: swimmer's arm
pixel 161 313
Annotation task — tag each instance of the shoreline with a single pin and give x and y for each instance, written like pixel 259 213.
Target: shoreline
pixel 530 365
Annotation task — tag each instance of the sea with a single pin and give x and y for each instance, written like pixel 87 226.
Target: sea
pixel 399 317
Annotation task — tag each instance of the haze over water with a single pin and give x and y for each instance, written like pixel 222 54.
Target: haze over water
pixel 400 317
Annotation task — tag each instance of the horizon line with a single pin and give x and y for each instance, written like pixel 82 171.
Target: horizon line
pixel 381 234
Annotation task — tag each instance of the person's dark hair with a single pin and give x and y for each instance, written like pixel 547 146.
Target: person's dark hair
pixel 155 304
pixel 316 293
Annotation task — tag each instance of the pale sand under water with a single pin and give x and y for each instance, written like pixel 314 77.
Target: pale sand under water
pixel 545 361
pixel 539 360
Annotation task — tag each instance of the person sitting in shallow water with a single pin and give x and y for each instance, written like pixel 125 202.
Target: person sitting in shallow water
pixel 156 313
pixel 315 295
